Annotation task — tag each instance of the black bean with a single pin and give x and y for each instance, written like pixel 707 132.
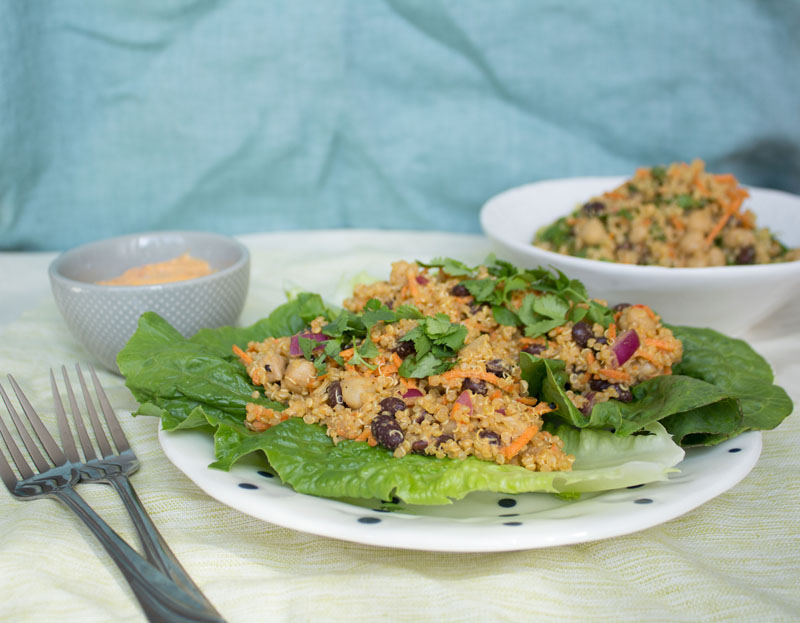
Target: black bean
pixel 533 349
pixel 492 436
pixel 476 386
pixel 746 255
pixel 392 405
pixel 404 349
pixel 474 308
pixel 599 385
pixel 335 394
pixel 459 290
pixel 600 341
pixel 418 447
pixel 581 332
pixel 497 367
pixel 442 439
pixel 623 395
pixel 620 306
pixel 387 431
pixel 420 418
pixel 594 208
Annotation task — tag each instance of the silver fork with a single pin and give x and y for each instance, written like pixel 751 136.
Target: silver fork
pixel 113 468
pixel 160 597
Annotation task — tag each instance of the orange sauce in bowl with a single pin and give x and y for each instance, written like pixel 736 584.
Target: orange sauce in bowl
pixel 179 268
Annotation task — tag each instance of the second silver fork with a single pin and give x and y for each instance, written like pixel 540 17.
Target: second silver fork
pixel 113 468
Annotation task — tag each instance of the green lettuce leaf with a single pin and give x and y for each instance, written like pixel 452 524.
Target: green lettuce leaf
pixel 197 382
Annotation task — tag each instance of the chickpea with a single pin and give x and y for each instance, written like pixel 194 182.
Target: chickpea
pixel 639 231
pixel 692 242
pixel 699 220
pixel 353 390
pixel 592 232
pixel 299 373
pixel 275 367
pixel 738 237
pixel 637 318
pixel 716 257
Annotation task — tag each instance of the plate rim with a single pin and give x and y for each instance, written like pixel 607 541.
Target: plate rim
pixel 440 534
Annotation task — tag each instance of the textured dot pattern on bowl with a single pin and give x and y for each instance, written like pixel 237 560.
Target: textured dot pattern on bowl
pixel 102 318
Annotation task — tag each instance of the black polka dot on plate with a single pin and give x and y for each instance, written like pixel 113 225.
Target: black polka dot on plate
pixel 643 501
pixel 266 474
pixel 507 502
pixel 247 485
pixel 510 515
pixel 512 523
pixel 635 486
pixel 735 450
pixel 369 520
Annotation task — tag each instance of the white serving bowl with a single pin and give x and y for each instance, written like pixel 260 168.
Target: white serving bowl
pixel 730 299
pixel 104 317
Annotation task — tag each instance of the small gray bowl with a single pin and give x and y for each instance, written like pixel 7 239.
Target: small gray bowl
pixel 103 317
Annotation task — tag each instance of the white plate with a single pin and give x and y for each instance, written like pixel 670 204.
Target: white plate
pixel 481 522
pixel 700 297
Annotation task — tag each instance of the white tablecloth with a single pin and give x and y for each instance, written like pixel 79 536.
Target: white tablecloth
pixel 736 558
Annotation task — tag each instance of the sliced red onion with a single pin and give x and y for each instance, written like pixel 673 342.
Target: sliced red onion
pixel 625 345
pixel 464 399
pixel 421 280
pixel 294 343
pixel 501 410
pixel 587 408
pixel 411 395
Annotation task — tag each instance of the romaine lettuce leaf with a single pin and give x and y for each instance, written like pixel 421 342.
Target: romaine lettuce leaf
pixel 198 382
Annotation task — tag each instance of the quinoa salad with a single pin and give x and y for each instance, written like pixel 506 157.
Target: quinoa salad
pixel 675 216
pixel 436 368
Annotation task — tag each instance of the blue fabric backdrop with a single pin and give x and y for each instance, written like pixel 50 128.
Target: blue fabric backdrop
pixel 120 116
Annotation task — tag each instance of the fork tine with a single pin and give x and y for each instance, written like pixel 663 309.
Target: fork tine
pixel 41 463
pixel 7 474
pixel 83 435
pixel 113 423
pixel 67 441
pixel 99 433
pixel 22 465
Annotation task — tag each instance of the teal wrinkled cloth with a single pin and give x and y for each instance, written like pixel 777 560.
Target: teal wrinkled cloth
pixel 255 116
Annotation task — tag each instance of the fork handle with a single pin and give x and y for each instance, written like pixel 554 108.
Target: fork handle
pixel 155 547
pixel 162 600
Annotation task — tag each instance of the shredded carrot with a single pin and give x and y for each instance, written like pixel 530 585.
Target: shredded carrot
pixel 284 417
pixel 527 341
pixel 516 446
pixel 475 374
pixel 387 370
pixel 542 408
pixel 528 400
pixel 612 330
pixel 243 356
pixel 698 184
pixel 412 283
pixel 732 208
pixel 651 358
pixel 350 368
pixel 408 383
pixel 586 377
pixel 662 344
pixel 647 309
pixel 726 178
pixel 346 354
pixel 363 435
pixel 495 394
pixel 614 194
pixel 619 375
pixel 717 228
pixel 396 360
pixel 677 222
pixel 590 358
